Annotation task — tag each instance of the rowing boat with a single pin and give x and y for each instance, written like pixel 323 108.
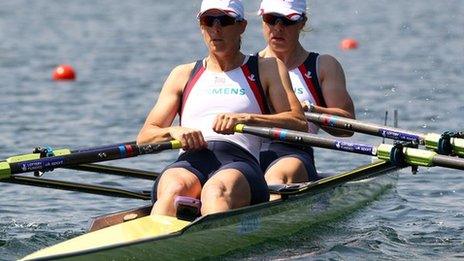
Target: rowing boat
pixel 162 237
pixel 134 234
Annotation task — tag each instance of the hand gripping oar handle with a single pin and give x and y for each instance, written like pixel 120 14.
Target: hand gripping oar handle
pixel 412 156
pixel 20 164
pixel 431 140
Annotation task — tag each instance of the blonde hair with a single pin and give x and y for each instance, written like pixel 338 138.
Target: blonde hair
pixel 307 28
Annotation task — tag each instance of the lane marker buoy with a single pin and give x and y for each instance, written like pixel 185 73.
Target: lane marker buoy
pixel 349 44
pixel 64 72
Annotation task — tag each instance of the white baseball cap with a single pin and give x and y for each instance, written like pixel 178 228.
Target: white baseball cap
pixel 292 9
pixel 233 8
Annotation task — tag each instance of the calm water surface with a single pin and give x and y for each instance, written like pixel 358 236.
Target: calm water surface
pixel 411 58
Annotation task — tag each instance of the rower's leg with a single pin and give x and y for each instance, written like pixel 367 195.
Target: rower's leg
pixel 227 189
pixel 175 182
pixel 286 170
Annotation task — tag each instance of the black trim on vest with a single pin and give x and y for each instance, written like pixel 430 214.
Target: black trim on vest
pixel 310 65
pixel 196 68
pixel 252 64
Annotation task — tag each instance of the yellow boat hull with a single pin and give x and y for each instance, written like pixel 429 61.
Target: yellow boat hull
pixel 167 238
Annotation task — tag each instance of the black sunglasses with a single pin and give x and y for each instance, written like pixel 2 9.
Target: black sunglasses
pixel 273 19
pixel 224 20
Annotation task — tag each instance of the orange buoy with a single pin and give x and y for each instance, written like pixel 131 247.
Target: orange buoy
pixel 349 44
pixel 64 72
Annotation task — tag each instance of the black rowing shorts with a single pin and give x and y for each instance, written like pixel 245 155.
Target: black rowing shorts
pixel 222 155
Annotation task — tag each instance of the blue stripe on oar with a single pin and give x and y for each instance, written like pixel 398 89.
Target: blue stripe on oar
pixel 279 133
pixel 122 150
pixel 332 121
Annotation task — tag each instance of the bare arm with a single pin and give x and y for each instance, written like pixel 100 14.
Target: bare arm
pixel 157 126
pixel 336 96
pixel 276 83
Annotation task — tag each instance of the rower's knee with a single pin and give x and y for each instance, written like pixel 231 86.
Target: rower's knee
pixel 172 190
pixel 214 191
pixel 228 189
pixel 286 170
pixel 164 204
pixel 174 183
pixel 178 181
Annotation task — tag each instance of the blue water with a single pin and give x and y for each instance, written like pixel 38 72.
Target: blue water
pixel 410 58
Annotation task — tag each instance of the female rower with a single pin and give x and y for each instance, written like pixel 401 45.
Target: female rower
pixel 212 96
pixel 318 82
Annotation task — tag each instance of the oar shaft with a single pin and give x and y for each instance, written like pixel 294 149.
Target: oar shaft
pixel 105 147
pixel 366 128
pixel 307 139
pixel 71 186
pixel 430 140
pixel 448 162
pixel 90 155
pixel 412 156
pixel 114 170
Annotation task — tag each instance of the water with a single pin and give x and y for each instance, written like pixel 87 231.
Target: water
pixel 410 58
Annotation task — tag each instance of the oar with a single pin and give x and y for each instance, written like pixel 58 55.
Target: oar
pixel 65 158
pixel 114 170
pixel 442 143
pixel 90 167
pixel 79 187
pixel 396 154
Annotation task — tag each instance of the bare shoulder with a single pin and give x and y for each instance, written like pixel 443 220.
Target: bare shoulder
pixel 179 76
pixel 269 65
pixel 182 71
pixel 268 61
pixel 327 61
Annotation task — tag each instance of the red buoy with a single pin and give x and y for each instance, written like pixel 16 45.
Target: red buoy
pixel 349 44
pixel 64 72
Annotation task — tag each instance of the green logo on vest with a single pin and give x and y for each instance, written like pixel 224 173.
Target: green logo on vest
pixel 226 91
pixel 298 90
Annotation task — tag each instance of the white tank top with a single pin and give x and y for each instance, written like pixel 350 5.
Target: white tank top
pixel 301 90
pixel 221 92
